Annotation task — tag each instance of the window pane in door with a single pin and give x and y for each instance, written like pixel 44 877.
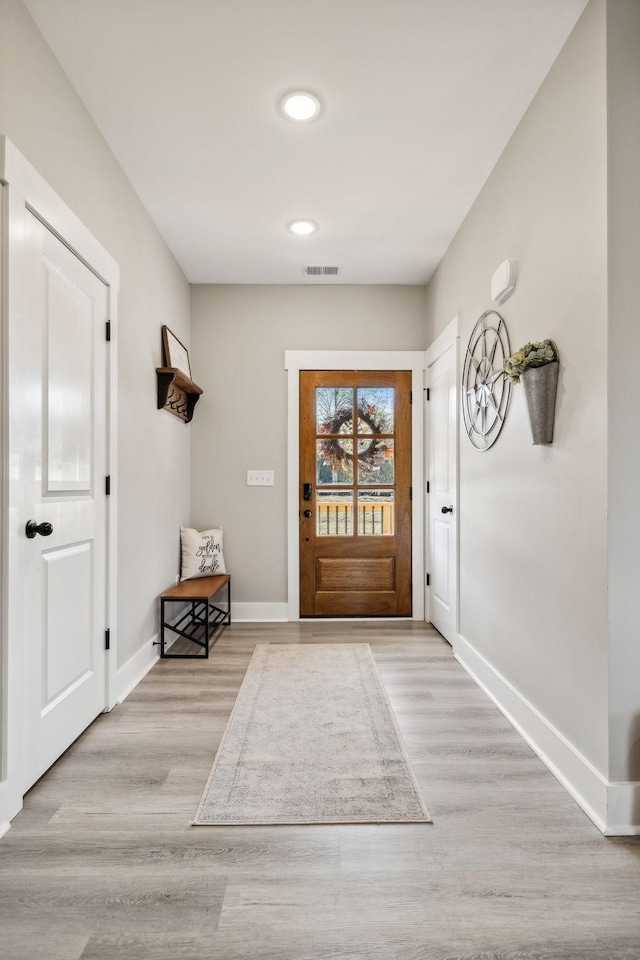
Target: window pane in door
pixel 376 513
pixel 375 409
pixel 334 461
pixel 334 410
pixel 375 461
pixel 334 513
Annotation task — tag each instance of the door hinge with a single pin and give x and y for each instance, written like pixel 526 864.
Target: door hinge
pixel 107 485
pixel 410 493
pixel 428 486
pixel 428 394
pixel 410 396
pixel 108 331
pixel 107 639
pixel 428 580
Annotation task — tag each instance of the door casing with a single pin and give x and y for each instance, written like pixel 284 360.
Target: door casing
pixel 23 189
pixel 294 362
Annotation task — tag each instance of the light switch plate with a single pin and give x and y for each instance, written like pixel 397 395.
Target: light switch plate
pixel 259 478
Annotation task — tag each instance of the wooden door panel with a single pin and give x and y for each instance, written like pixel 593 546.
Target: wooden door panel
pixel 355 574
pixel 354 605
pixel 355 453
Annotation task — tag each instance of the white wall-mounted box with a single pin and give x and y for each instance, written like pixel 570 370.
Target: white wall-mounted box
pixel 504 281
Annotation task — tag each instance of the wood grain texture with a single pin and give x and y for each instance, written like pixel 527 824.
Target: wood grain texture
pixel 202 588
pixel 369 574
pixel 102 864
pixel 324 595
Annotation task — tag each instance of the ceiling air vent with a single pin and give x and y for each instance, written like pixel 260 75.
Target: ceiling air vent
pixel 310 271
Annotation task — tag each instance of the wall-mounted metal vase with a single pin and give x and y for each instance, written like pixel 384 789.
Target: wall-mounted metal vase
pixel 540 388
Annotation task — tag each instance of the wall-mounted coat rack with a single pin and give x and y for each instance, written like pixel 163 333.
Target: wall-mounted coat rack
pixel 177 393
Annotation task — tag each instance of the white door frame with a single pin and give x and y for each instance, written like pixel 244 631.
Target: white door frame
pixel 23 187
pixel 294 362
pixel 450 337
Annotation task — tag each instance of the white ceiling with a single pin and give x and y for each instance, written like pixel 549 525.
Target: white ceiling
pixel 420 97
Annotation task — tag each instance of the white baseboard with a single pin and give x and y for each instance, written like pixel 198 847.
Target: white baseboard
pixel 623 810
pixel 259 612
pixel 10 801
pixel 577 775
pixel 135 669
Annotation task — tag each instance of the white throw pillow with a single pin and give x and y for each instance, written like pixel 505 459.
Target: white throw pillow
pixel 201 553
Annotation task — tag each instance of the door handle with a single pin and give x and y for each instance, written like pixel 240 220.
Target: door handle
pixel 447 510
pixel 308 514
pixel 33 527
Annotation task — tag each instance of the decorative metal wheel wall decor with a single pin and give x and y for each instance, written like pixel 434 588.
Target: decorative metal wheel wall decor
pixel 486 390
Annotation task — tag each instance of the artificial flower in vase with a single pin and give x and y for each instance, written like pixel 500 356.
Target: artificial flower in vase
pixel 537 366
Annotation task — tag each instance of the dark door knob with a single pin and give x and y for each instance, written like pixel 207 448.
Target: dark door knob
pixel 33 527
pixel 447 509
pixel 308 514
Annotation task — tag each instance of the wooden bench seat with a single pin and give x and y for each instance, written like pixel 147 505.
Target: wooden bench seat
pixel 201 618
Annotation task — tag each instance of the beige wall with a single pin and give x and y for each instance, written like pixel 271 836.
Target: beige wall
pixel 240 334
pixel 533 595
pixel 43 116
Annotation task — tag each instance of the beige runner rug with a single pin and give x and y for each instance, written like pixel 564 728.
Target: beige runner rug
pixel 312 739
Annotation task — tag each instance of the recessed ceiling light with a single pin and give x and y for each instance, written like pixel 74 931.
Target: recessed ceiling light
pixel 302 228
pixel 300 105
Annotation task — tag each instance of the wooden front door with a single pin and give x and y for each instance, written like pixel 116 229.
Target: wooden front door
pixel 355 493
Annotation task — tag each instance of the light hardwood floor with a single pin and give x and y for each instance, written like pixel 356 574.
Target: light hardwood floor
pixel 103 864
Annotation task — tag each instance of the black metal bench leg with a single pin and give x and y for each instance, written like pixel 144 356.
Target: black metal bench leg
pixel 200 613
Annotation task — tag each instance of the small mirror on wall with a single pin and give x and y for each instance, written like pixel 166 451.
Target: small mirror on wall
pixel 176 354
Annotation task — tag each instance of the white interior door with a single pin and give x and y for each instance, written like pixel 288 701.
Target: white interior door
pixel 442 443
pixel 57 377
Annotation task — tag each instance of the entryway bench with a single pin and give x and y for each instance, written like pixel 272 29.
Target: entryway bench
pixel 199 621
